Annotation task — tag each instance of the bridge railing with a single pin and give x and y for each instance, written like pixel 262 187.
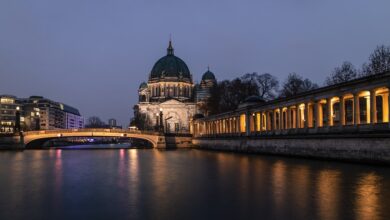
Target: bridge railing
pixel 61 131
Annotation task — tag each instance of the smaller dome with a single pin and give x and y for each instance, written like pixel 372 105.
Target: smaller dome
pixel 208 75
pixel 253 99
pixel 143 85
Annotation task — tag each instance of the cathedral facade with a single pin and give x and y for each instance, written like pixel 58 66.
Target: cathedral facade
pixel 170 99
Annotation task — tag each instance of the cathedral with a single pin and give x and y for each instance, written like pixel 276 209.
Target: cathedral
pixel 170 99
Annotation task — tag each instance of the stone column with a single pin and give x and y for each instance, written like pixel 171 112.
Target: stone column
pixel 247 123
pixel 288 113
pixel 261 122
pixel 356 109
pixel 286 119
pixel 306 115
pixel 388 105
pixel 268 121
pixel 329 112
pixel 236 121
pixel 297 117
pixel 342 110
pixel 317 106
pixel 238 125
pixel 372 107
pixel 280 119
pixel 253 116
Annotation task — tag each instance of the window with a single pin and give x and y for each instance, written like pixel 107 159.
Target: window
pixel 7 101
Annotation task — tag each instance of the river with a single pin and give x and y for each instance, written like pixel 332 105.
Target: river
pixel 186 184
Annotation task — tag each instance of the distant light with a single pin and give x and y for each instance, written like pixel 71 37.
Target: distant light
pixel 59 135
pixel 17 108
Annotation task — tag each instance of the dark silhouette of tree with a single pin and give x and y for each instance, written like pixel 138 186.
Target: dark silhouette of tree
pixel 227 95
pixel 95 122
pixel 379 61
pixel 267 84
pixel 139 120
pixel 346 72
pixel 295 84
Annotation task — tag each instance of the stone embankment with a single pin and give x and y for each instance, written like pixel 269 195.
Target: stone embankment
pixel 365 148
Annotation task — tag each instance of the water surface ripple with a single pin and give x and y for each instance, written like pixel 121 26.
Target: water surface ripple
pixel 186 184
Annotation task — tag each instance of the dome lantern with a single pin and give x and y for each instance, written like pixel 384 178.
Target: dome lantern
pixel 170 49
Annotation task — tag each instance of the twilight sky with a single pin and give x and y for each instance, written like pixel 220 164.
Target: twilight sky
pixel 93 54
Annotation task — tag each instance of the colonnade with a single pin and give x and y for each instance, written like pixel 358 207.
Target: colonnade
pixel 170 90
pixel 363 107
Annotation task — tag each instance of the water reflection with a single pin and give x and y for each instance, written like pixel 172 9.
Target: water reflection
pixel 328 193
pixel 367 197
pixel 300 182
pixel 279 185
pixel 151 184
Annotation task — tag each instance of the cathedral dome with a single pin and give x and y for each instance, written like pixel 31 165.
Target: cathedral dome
pixel 170 67
pixel 208 75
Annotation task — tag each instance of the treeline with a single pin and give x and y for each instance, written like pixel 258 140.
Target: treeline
pixel 95 122
pixel 228 94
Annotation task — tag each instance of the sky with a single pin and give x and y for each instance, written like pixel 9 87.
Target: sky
pixel 93 54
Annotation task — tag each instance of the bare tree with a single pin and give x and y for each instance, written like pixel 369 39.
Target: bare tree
pixel 267 84
pixel 95 122
pixel 227 95
pixel 379 61
pixel 295 84
pixel 346 72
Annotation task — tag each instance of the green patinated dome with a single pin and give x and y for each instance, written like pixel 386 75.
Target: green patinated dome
pixel 170 66
pixel 143 85
pixel 208 75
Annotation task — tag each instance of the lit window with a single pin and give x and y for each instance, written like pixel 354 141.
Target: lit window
pixel 7 101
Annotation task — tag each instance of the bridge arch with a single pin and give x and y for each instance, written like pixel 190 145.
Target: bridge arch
pixel 31 137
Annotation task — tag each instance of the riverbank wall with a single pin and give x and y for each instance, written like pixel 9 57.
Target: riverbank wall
pixel 10 143
pixel 174 141
pixel 373 149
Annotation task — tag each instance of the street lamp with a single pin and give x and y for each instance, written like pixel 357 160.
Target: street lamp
pixel 161 120
pixel 157 125
pixel 17 119
pixel 37 122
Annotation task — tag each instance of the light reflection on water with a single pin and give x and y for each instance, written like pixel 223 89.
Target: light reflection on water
pixel 186 184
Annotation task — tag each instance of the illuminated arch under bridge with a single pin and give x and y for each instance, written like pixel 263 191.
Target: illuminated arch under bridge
pixel 157 139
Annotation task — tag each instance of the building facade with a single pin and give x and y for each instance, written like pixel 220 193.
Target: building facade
pixel 37 113
pixel 8 111
pixel 169 99
pixel 360 105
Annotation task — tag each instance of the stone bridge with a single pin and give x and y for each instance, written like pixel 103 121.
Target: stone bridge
pixel 28 138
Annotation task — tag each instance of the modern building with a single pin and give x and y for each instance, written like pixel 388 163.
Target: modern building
pixel 37 113
pixel 112 123
pixel 8 109
pixel 73 118
pixel 170 93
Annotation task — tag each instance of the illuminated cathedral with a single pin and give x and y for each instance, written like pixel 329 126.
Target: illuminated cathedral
pixel 171 93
